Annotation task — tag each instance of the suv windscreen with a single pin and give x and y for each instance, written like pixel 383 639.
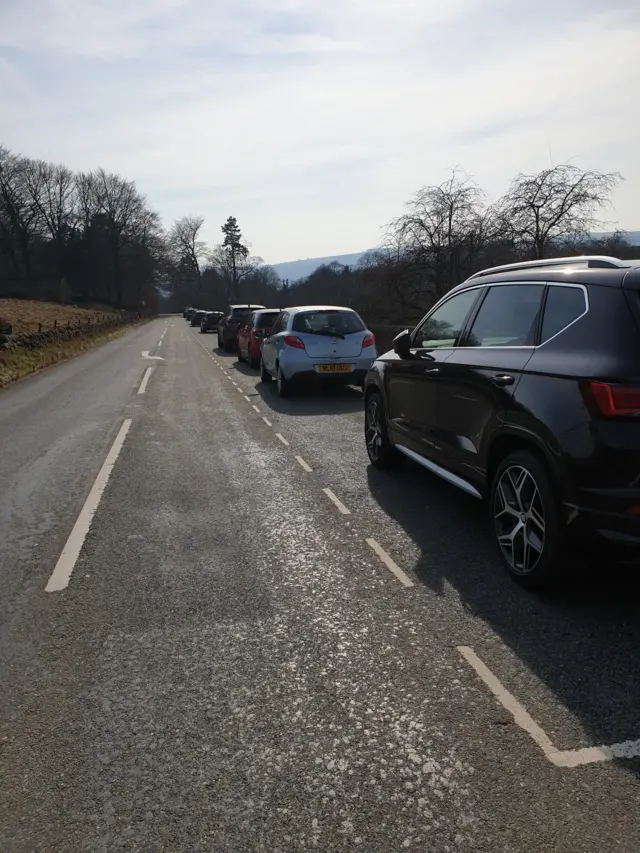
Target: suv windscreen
pixel 264 320
pixel 508 317
pixel 328 322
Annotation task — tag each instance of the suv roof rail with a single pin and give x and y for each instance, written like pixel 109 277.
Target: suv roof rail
pixel 591 261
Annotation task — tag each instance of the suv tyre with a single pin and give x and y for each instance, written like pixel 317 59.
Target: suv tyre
pixel 382 453
pixel 527 520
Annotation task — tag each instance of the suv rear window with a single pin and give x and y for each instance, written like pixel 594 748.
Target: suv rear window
pixel 328 322
pixel 241 313
pixel 508 317
pixel 563 306
pixel 263 320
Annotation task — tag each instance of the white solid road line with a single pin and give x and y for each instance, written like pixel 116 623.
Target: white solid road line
pixel 342 508
pixel 565 758
pixel 282 439
pixel 145 379
pixel 404 579
pixel 267 421
pixel 61 574
pixel 303 464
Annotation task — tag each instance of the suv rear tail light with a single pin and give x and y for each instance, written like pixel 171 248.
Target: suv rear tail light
pixel 612 400
pixel 368 340
pixel 293 341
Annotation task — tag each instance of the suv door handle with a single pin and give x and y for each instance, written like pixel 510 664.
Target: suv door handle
pixel 432 371
pixel 503 379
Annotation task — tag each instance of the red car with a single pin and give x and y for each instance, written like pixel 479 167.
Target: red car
pixel 251 334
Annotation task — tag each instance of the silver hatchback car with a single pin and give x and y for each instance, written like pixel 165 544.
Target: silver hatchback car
pixel 314 343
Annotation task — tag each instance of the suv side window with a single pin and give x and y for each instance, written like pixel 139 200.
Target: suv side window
pixel 508 317
pixel 443 326
pixel 563 306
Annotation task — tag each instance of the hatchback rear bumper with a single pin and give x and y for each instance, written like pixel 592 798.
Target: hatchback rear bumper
pixel 311 377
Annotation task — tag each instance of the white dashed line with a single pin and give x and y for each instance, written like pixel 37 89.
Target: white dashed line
pixel 303 464
pixel 247 398
pixel 282 439
pixel 239 390
pixel 341 507
pixel 267 421
pixel 61 574
pixel 160 342
pixel 561 758
pixel 404 579
pixel 145 379
pixel 256 409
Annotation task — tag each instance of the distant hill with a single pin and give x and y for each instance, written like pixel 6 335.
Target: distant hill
pixel 294 270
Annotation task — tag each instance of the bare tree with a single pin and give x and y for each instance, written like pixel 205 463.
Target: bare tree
pixel 440 235
pixel 232 259
pixel 557 204
pixel 185 244
pixel 19 216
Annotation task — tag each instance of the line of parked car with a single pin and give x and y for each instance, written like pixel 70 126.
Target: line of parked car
pixel 521 387
pixel 296 347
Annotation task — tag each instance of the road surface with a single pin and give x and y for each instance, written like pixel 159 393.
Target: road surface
pixel 253 641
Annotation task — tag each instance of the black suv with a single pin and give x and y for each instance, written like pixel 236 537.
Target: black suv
pixel 209 322
pixel 522 386
pixel 237 315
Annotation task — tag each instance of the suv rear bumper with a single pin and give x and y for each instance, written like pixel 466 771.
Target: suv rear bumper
pixel 619 528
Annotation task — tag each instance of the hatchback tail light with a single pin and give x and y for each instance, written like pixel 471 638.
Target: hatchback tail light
pixel 611 400
pixel 293 341
pixel 368 340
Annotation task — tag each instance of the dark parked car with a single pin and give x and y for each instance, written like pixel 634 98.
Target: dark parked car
pixel 522 386
pixel 189 312
pixel 196 318
pixel 236 316
pixel 210 321
pixel 184 313
pixel 252 333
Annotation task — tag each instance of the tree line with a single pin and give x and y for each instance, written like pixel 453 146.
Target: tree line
pixel 91 237
pixel 450 230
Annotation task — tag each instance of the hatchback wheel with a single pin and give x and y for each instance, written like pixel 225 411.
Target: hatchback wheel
pixel 265 376
pixel 527 520
pixel 381 452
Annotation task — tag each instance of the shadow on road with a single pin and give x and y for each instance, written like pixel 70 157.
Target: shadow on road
pixel 582 642
pixel 319 401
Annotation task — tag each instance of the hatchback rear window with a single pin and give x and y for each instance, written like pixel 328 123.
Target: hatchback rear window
pixel 328 322
pixel 241 313
pixel 263 320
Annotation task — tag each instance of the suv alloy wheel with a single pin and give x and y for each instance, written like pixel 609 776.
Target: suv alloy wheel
pixel 527 520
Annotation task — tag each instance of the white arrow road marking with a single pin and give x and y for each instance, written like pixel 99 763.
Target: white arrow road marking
pixel 145 354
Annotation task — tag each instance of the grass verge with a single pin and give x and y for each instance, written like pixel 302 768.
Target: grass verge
pixel 16 365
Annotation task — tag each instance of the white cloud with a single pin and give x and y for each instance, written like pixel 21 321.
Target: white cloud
pixel 313 120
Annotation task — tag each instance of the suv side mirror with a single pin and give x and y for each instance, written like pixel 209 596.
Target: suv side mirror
pixel 402 344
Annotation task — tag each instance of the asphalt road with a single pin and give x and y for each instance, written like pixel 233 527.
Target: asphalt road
pixel 233 667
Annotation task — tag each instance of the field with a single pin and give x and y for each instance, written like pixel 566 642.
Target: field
pixel 26 315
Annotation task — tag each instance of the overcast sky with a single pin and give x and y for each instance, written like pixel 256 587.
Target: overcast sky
pixel 312 121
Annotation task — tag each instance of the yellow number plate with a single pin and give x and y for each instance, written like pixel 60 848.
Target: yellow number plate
pixel 334 368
